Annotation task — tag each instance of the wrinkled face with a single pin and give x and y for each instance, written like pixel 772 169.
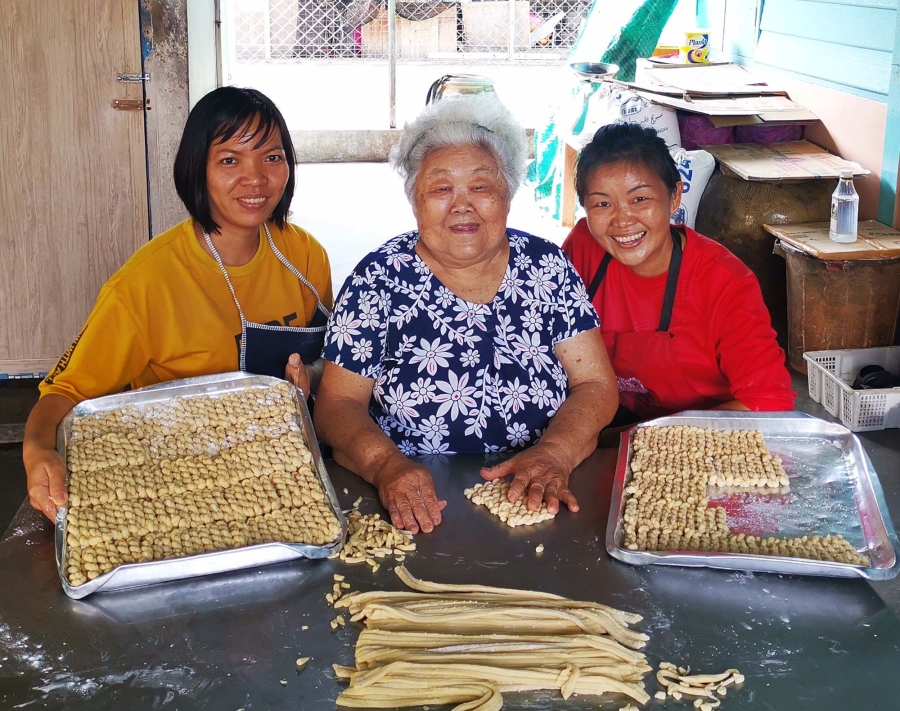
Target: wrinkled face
pixel 628 209
pixel 461 204
pixel 245 180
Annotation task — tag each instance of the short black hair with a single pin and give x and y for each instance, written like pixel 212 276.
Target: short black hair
pixel 626 143
pixel 216 118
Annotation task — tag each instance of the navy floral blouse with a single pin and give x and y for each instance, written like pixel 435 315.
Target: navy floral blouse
pixel 453 376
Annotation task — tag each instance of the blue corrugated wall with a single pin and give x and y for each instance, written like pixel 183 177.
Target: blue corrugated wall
pixel 843 44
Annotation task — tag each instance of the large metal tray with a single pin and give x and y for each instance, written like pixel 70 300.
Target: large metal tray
pixel 834 489
pixel 133 575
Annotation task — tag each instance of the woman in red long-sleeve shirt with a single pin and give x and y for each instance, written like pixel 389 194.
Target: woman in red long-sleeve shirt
pixel 682 317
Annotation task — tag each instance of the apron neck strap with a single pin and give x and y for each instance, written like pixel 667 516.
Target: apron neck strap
pixel 665 317
pixel 598 276
pixel 215 254
pixel 281 258
pixel 296 272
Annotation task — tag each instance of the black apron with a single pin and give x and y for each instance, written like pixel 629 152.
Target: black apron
pixel 265 349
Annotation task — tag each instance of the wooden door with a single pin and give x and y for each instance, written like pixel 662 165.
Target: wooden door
pixel 73 181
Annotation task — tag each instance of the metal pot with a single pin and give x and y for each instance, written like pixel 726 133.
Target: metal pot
pixel 594 71
pixel 457 84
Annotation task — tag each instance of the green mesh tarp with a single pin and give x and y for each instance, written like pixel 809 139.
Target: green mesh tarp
pixel 618 32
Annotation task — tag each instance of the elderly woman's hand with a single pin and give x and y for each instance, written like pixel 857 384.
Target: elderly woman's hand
pixel 406 490
pixel 540 473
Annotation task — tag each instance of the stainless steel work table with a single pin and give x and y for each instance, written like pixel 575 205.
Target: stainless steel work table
pixel 228 642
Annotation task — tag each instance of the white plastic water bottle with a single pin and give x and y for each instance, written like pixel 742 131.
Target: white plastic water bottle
pixel 844 209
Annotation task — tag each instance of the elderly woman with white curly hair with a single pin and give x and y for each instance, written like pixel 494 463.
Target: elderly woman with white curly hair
pixel 463 335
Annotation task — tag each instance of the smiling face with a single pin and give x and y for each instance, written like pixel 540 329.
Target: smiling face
pixel 461 204
pixel 628 209
pixel 245 180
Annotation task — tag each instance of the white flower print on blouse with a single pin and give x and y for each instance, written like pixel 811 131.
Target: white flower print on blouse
pixel 422 389
pixel 361 349
pixel 517 434
pixel 469 357
pixel 431 355
pixel 344 328
pixel 454 376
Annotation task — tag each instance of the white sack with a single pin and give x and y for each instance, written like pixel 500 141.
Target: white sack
pixel 695 168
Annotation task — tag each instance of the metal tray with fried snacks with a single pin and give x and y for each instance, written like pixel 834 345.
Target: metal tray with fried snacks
pixel 833 491
pixel 200 445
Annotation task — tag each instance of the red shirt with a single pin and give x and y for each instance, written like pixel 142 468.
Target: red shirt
pixel 722 341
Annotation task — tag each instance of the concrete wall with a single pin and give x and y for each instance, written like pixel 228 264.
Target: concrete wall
pixel 852 127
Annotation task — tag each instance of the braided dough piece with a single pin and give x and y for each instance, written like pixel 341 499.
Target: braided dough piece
pixel 495 496
pixel 195 475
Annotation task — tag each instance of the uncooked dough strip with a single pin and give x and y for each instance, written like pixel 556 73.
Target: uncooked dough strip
pixel 404 674
pixel 499 619
pixel 706 679
pixel 469 697
pixel 412 600
pixel 429 587
pixel 602 617
pixel 428 640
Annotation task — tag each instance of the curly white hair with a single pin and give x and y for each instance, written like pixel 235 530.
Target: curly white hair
pixel 479 120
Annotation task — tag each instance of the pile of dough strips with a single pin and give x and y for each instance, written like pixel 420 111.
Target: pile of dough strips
pixel 667 504
pixel 467 644
pixel 193 475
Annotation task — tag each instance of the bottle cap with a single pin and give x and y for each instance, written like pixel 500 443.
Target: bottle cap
pixel 846 173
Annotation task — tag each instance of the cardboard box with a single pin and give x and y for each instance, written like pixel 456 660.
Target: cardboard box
pixel 700 80
pixel 876 241
pixel 738 111
pixel 792 160
pixel 727 93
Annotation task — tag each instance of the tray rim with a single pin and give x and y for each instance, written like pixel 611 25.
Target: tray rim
pixel 749 562
pixel 277 551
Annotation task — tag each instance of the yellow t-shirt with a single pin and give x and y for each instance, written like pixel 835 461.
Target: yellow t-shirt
pixel 168 314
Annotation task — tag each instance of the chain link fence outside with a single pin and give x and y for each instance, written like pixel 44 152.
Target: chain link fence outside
pixel 487 31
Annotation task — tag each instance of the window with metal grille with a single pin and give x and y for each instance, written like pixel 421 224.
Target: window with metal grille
pixel 502 31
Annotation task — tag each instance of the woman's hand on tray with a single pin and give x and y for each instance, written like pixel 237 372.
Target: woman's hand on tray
pixel 46 481
pixel 45 468
pixel 539 475
pixel 407 492
pixel 296 373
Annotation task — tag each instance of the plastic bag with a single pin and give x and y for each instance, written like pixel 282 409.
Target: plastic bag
pixel 697 130
pixel 768 134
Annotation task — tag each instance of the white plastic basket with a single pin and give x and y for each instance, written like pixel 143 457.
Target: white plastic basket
pixel 830 375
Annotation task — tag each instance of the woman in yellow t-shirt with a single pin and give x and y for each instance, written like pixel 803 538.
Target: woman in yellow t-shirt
pixel 234 286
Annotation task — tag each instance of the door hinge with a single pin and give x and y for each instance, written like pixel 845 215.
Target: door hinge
pixel 133 78
pixel 130 104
